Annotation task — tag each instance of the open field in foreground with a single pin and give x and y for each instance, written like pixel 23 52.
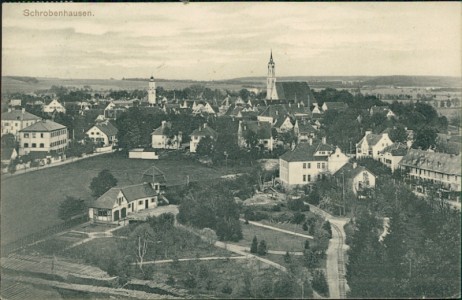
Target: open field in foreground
pixel 29 202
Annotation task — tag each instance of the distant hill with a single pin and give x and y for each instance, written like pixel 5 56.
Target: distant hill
pixel 421 81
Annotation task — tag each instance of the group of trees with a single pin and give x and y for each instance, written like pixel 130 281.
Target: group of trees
pixel 258 248
pixel 419 257
pixel 211 206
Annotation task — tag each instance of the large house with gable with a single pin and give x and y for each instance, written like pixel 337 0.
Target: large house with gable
pixel 308 163
pixel 45 137
pixel 372 144
pixel 261 130
pixel 103 133
pixel 200 133
pixel 119 202
pixel 161 137
pixel 439 169
pixel 15 120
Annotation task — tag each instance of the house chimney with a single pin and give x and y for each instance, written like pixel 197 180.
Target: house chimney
pixel 298 104
pixel 310 141
pixel 355 165
pixel 324 140
pixel 163 124
pixel 205 125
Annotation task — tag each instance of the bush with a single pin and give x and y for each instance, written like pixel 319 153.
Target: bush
pixel 310 259
pixel 227 289
pixel 326 226
pixel 305 227
pixel 298 218
pixel 262 250
pixel 254 247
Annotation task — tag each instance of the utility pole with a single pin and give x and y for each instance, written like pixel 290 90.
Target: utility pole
pixel 343 191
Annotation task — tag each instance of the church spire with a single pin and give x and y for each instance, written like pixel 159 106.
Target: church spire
pixel 271 57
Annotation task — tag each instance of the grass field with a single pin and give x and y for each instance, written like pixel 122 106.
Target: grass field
pixel 29 202
pixel 275 240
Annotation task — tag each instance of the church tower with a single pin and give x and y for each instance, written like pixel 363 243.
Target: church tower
pixel 152 91
pixel 271 79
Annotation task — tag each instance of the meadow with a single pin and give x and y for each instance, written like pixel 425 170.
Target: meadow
pixel 29 202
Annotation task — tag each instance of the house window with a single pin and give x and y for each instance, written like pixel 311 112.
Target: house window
pixel 42 145
pixel 33 135
pixel 140 202
pixel 304 178
pixel 92 133
pixel 304 165
pixel 323 165
pixel 41 135
pixel 26 135
pixel 7 124
pixel 34 145
pixel 129 205
pixel 26 145
pixel 309 165
pixel 309 178
pixel 319 165
pixel 153 200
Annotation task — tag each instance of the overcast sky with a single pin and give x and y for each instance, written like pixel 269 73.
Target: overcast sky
pixel 212 41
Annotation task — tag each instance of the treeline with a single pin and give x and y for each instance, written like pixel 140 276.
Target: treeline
pixel 418 258
pixel 346 128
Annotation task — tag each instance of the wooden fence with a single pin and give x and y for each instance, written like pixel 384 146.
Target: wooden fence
pixel 34 237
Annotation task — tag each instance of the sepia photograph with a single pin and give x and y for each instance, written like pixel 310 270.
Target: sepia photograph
pixel 220 150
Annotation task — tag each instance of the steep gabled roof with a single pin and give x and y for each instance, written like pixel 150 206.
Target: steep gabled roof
pixel 280 120
pixel 107 128
pixel 306 152
pixel 274 111
pixel 262 129
pixel 306 128
pixel 16 115
pixel 205 131
pixel 154 175
pixel 131 193
pixel 349 171
pixel 397 149
pixel 433 161
pixel 372 139
pixel 162 128
pixel 295 91
pixel 43 126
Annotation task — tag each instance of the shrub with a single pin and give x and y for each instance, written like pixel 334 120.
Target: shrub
pixel 305 227
pixel 310 259
pixel 297 205
pixel 227 289
pixel 319 282
pixel 254 247
pixel 298 218
pixel 326 226
pixel 262 248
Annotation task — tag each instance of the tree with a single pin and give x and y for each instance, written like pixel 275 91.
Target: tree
pixel 326 226
pixel 102 183
pixel 287 258
pixel 254 246
pixel 297 205
pixel 8 141
pixel 319 282
pixel 425 138
pixel 398 134
pixel 206 146
pixel 305 227
pixel 140 238
pixel 70 207
pixel 298 218
pixel 310 258
pixel 307 244
pixel 210 235
pixel 262 248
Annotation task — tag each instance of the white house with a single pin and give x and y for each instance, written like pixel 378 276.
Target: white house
pixel 198 134
pixel 53 106
pixel 307 163
pixel 283 124
pixel 103 133
pixel 372 144
pixel 440 169
pixel 118 202
pixel 15 120
pixel 261 131
pixel 162 138
pixel 44 136
pixel 356 178
pixel 392 155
